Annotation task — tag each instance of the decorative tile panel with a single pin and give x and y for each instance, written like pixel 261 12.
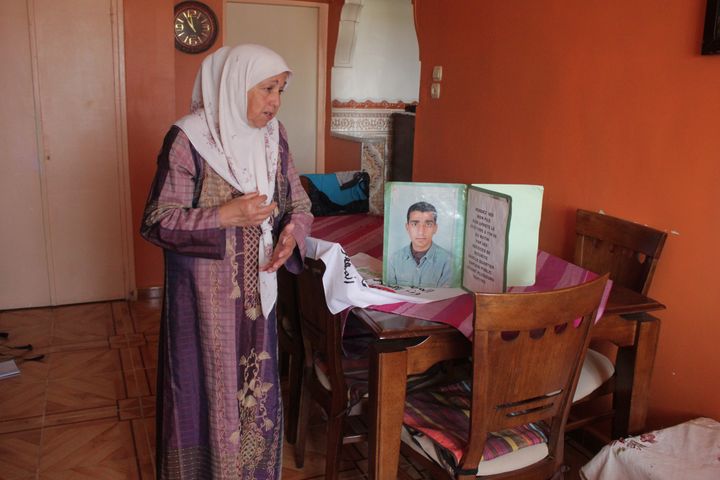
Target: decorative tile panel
pixel 372 128
pixel 361 121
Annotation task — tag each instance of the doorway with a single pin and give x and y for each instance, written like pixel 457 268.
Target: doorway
pixel 297 31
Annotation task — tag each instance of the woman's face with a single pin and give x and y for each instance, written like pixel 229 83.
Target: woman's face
pixel 263 100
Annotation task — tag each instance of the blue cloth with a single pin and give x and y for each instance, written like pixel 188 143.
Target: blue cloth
pixel 338 193
pixel 329 184
pixel 434 269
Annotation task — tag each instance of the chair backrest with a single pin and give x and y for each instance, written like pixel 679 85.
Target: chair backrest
pixel 321 330
pixel 528 349
pixel 627 250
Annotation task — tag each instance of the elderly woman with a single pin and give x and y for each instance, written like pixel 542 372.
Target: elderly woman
pixel 228 209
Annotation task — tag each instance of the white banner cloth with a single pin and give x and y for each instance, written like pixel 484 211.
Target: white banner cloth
pixel 345 287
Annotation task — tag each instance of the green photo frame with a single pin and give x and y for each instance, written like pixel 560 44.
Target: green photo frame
pixel 443 266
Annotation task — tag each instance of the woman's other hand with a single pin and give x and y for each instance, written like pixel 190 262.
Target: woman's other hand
pixel 245 211
pixel 284 248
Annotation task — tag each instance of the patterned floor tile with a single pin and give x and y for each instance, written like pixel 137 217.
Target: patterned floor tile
pixel 144 436
pixel 84 391
pixel 84 379
pixel 148 406
pixel 127 340
pixel 136 382
pixel 82 323
pixel 124 469
pixel 65 365
pixel 151 376
pixel 100 449
pixel 20 425
pixel 129 409
pixel 146 316
pixel 32 326
pixel 21 399
pixel 82 415
pixel 149 353
pixel 19 452
pixel 122 319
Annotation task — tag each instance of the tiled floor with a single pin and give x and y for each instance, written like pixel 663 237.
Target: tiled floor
pixel 86 411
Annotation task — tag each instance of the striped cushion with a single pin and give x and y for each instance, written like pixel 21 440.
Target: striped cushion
pixel 504 463
pixel 442 415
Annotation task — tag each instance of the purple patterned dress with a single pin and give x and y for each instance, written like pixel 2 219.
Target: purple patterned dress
pixel 219 412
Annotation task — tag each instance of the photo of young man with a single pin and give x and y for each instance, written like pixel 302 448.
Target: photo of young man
pixel 421 263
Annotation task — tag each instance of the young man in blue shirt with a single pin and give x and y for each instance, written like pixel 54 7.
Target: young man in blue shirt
pixel 421 263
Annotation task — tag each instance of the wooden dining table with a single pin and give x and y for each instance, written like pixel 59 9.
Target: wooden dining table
pixel 405 345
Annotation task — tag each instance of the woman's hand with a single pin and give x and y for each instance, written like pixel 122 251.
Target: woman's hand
pixel 284 248
pixel 245 211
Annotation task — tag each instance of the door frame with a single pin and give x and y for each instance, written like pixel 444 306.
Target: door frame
pixel 322 9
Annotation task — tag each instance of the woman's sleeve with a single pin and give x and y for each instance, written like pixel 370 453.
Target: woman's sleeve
pixel 171 220
pixel 298 213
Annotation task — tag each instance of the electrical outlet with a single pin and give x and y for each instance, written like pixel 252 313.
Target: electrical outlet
pixel 435 90
pixel 437 73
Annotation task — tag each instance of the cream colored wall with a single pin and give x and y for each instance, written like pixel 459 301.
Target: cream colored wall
pixel 385 65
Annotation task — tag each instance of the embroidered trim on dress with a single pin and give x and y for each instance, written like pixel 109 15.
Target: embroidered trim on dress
pixel 251 246
pixel 253 413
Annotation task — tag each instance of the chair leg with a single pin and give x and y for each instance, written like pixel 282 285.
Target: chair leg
pixel 295 375
pixel 334 447
pixel 303 420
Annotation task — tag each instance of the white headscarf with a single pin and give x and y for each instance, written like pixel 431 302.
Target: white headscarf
pixel 243 155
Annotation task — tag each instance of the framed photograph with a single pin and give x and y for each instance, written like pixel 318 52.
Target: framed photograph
pixel 424 234
pixel 711 36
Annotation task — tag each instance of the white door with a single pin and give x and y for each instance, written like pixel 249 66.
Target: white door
pixel 23 262
pixel 296 30
pixel 74 169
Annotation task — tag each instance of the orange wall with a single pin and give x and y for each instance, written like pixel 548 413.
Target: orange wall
pixel 150 92
pixel 610 106
pixel 607 105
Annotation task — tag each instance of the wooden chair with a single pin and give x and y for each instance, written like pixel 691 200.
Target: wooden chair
pixel 291 347
pixel 326 371
pixel 527 352
pixel 629 252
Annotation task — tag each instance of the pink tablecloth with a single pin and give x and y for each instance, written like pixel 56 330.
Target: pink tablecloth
pixel 552 273
pixel 356 233
pixel 364 233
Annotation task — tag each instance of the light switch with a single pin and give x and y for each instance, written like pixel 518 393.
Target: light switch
pixel 435 90
pixel 437 73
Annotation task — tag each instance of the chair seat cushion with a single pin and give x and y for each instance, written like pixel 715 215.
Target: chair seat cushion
pixel 504 463
pixel 442 416
pixel 596 370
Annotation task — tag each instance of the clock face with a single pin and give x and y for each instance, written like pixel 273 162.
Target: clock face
pixel 195 27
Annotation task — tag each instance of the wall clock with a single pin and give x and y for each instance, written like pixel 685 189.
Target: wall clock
pixel 196 27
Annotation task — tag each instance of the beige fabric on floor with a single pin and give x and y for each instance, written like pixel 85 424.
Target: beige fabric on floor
pixel 690 450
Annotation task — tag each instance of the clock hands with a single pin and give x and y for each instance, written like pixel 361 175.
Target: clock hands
pixel 189 19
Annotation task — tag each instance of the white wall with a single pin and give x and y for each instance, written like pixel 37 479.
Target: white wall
pixel 385 64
